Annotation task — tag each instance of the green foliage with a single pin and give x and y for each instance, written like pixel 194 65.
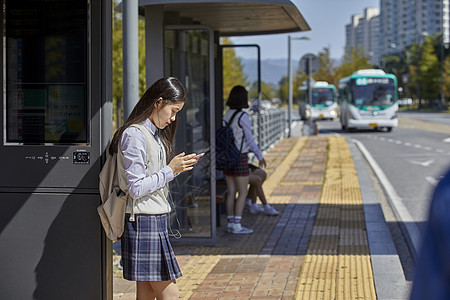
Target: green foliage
pixel 117 69
pixel 326 71
pixel 117 66
pixel 267 91
pixel 297 81
pixel 429 71
pixel 233 72
pixel 447 76
pixel 357 59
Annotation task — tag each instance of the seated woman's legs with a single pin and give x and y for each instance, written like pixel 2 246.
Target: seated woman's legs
pixel 257 178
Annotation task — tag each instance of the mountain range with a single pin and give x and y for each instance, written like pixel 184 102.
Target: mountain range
pixel 272 70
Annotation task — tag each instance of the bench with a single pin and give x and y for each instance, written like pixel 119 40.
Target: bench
pixel 221 194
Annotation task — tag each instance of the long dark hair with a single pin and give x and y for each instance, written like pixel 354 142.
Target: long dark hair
pixel 170 90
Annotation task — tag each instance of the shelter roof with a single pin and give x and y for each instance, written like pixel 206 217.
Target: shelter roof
pixel 238 18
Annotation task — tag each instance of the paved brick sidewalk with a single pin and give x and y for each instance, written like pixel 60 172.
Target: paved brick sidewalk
pixel 315 249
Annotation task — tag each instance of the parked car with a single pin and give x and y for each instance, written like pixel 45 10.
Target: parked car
pixel 404 101
pixel 263 106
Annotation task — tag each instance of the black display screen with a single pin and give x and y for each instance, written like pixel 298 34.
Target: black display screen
pixel 45 72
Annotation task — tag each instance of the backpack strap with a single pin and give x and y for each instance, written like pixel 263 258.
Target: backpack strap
pixel 232 117
pixel 243 132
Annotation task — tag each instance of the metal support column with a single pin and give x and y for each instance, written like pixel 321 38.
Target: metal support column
pixel 130 56
pixel 154 43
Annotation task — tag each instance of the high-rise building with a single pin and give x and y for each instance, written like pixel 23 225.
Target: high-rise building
pixel 396 25
pixel 404 22
pixel 363 31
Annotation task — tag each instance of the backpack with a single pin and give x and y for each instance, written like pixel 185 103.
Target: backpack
pixel 227 154
pixel 114 200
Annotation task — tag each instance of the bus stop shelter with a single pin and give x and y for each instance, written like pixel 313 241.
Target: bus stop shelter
pixel 182 39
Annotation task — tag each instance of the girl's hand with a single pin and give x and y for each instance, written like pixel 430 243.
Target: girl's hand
pixel 262 163
pixel 182 163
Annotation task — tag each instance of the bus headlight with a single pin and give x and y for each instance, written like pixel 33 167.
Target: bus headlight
pixel 333 113
pixel 308 112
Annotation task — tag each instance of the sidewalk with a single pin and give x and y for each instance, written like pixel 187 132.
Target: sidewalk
pixel 317 248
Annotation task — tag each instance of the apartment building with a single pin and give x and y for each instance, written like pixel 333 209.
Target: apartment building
pixel 363 31
pixel 397 24
pixel 404 22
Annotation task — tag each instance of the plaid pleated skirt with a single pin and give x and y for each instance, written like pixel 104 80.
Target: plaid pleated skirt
pixel 241 169
pixel 147 254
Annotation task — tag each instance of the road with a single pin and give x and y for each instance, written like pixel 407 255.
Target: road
pixel 413 156
pixel 412 159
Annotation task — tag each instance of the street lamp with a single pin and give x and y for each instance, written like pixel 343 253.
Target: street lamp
pixel 290 79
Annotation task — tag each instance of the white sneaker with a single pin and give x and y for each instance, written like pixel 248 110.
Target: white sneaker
pixel 239 229
pixel 248 204
pixel 256 209
pixel 270 211
pixel 230 227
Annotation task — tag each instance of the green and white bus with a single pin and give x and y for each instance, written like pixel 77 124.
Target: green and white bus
pixel 324 102
pixel 368 99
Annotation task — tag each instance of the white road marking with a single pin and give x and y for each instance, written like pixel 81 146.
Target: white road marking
pixel 422 163
pixel 431 180
pixel 447 140
pixel 401 212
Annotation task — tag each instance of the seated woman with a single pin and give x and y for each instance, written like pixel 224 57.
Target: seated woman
pixel 256 179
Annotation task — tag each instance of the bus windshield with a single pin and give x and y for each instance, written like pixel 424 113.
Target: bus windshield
pixel 322 96
pixel 373 91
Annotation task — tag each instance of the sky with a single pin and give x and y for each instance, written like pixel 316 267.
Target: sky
pixel 327 20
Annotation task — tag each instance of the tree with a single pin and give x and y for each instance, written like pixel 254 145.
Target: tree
pixel 326 70
pixel 117 70
pixel 357 59
pixel 447 76
pixel 430 71
pixel 298 80
pixel 392 64
pixel 267 91
pixel 233 71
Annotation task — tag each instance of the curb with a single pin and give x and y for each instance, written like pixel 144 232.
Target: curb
pixel 407 224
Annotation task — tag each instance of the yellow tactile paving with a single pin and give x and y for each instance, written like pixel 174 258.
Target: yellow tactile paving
pixel 301 183
pixel 280 199
pixel 275 178
pixel 337 264
pixel 194 272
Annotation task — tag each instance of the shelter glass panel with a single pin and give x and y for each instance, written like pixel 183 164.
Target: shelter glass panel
pixel 187 57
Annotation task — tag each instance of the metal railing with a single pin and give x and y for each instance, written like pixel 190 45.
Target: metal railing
pixel 273 123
